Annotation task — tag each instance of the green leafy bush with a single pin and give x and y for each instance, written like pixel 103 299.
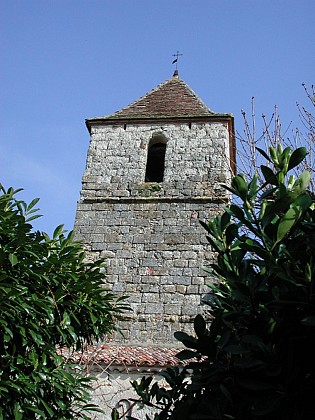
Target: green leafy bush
pixel 49 298
pixel 255 359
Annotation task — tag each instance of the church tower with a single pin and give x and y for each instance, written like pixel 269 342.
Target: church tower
pixel 154 169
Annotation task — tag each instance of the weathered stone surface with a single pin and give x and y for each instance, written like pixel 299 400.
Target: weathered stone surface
pixel 149 232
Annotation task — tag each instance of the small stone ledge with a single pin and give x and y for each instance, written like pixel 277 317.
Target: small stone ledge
pixel 128 200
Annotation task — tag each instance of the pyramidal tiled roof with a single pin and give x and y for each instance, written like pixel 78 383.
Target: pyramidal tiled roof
pixel 173 98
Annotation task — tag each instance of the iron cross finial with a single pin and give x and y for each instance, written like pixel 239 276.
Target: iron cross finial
pixel 176 59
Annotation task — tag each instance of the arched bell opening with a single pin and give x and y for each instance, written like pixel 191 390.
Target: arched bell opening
pixel 156 159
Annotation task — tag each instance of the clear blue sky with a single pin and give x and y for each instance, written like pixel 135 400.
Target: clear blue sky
pixel 66 60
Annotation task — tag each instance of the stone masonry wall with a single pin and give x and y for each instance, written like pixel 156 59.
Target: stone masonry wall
pixel 150 232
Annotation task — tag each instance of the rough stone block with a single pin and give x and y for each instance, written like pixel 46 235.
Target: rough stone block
pixel 151 236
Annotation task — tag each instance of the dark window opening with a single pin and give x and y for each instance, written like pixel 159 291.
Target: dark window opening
pixel 155 163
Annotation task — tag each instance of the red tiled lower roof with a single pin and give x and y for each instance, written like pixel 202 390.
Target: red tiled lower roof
pixel 110 355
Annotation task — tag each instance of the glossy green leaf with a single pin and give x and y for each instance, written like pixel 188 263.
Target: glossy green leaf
pixel 264 154
pixel 231 233
pixel 13 259
pixel 240 186
pixel 269 175
pixel 237 212
pixel 288 221
pixel 304 180
pixel 32 204
pixel 36 216
pixel 58 231
pixel 253 186
pixel 18 412
pixel 115 414
pixel 225 220
pixel 297 157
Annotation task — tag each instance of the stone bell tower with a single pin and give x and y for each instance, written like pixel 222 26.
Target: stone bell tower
pixel 153 170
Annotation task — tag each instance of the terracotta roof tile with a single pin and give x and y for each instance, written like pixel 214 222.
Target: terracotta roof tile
pixel 125 356
pixel 173 98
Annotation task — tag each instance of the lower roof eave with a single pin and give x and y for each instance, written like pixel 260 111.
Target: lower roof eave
pixel 126 359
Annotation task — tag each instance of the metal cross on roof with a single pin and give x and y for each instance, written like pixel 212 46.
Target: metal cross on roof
pixel 176 59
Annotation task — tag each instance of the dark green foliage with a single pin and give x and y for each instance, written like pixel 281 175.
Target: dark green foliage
pixel 256 356
pixel 49 298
